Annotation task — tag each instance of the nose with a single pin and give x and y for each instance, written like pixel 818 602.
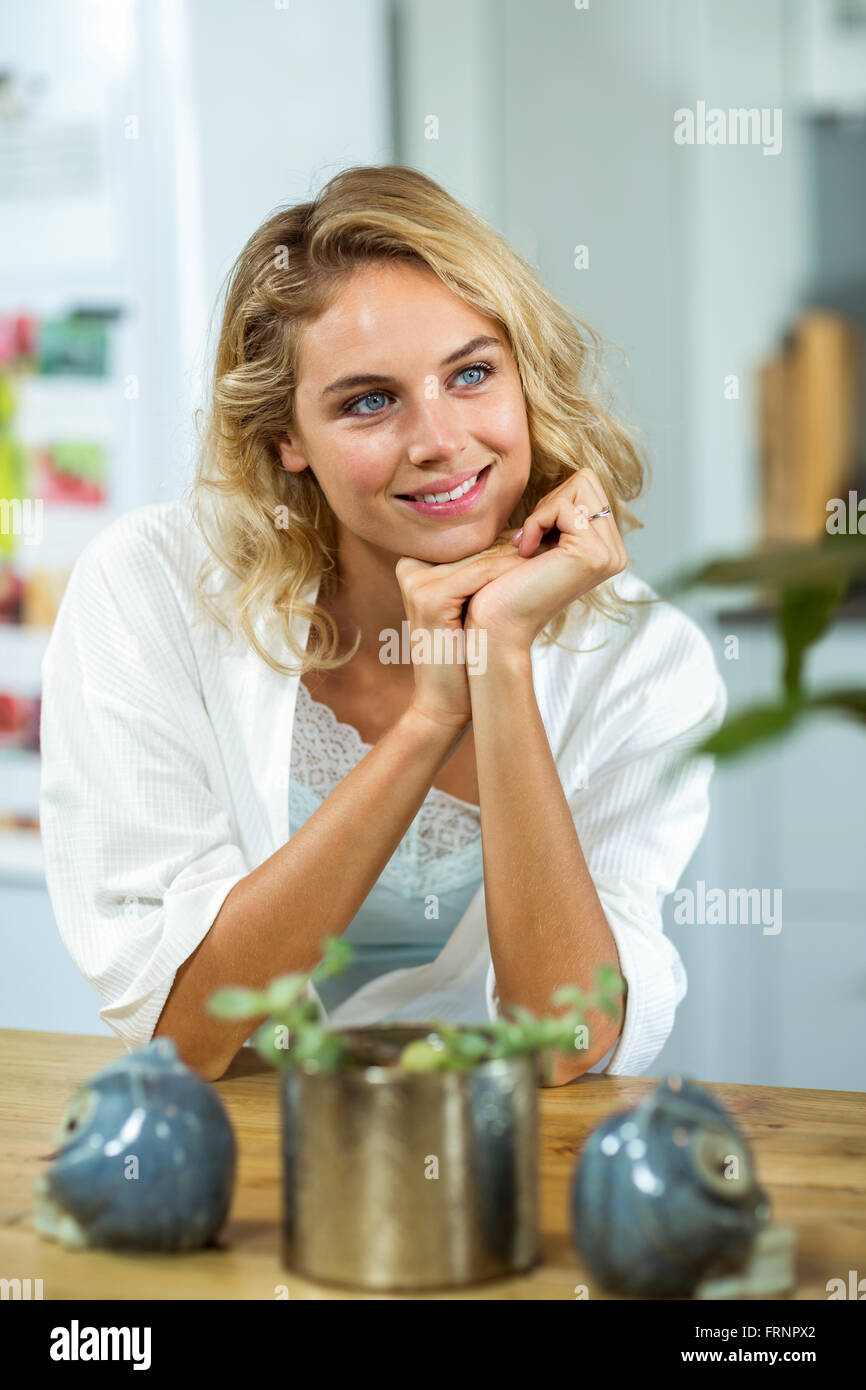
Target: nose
pixel 433 431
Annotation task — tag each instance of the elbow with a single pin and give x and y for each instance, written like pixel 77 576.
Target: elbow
pixel 561 1067
pixel 210 1066
pixel 561 1070
pixel 202 1045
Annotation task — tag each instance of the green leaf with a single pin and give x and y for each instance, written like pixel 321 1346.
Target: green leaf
pixel 521 1015
pixel 804 615
pixel 329 1054
pixel 284 992
pixel 609 981
pixel 443 1032
pixel 563 1037
pixel 235 1002
pixel 305 1011
pixel 337 954
pixel 469 1047
pixel 528 1023
pixel 509 1037
pixel 569 994
pixel 526 1038
pixel 852 702
pixel 270 1043
pixel 754 725
pixel 552 1031
pixel 420 1055
pixel 318 1049
pixel 611 1006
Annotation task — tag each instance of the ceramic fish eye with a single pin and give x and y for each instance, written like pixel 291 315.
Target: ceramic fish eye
pixel 712 1153
pixel 719 1156
pixel 79 1113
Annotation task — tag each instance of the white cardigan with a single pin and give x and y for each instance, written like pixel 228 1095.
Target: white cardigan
pixel 165 771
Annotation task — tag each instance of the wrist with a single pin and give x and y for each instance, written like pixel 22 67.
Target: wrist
pixel 428 729
pixel 502 660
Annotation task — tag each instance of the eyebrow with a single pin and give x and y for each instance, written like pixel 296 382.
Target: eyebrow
pixel 345 383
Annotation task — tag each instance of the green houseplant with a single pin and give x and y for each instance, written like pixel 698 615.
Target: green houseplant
pixel 805 586
pixel 410 1152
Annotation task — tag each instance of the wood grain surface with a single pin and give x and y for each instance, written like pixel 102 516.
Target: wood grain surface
pixel 810 1149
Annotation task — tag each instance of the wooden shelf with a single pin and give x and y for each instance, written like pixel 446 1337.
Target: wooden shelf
pixel 853 610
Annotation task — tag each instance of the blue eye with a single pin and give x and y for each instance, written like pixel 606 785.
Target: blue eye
pixel 371 395
pixel 476 367
pixel 351 406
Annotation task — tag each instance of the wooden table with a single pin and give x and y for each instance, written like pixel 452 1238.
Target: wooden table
pixel 810 1148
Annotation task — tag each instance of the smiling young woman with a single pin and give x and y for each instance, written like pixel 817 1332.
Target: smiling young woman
pixel 404 430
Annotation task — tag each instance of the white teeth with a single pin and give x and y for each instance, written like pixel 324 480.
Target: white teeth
pixel 449 496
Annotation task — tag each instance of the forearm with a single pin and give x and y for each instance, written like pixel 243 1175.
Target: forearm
pixel 273 921
pixel 546 925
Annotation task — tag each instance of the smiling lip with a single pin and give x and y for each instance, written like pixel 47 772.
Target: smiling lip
pixel 452 507
pixel 442 484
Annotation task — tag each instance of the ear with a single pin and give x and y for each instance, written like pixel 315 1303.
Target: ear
pixel 291 457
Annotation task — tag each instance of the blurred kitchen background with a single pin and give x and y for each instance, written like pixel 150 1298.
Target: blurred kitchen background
pixel 142 141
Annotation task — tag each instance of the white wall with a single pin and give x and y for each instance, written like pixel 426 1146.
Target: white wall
pixel 783 1008
pixel 280 98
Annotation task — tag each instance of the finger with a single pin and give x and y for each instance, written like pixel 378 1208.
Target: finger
pixel 466 579
pixel 407 566
pixel 605 533
pixel 565 511
pixel 590 488
pixel 437 592
pixel 605 526
pixel 568 508
pixel 597 500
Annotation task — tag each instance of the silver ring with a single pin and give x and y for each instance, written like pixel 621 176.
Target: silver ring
pixel 605 511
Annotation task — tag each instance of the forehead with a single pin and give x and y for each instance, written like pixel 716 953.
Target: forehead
pixel 381 315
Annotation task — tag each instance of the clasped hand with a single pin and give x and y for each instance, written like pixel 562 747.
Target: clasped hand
pixel 511 590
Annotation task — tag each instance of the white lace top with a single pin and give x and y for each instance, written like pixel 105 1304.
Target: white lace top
pixel 428 882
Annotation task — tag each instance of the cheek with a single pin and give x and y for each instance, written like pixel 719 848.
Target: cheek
pixel 506 428
pixel 359 471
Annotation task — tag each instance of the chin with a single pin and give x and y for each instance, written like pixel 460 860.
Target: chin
pixel 457 547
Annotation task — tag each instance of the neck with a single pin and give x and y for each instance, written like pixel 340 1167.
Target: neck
pixel 368 598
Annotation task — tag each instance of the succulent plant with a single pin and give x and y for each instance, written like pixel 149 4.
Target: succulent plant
pixel 293 1033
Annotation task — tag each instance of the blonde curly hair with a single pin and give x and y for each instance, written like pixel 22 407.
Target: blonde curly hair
pixel 274 530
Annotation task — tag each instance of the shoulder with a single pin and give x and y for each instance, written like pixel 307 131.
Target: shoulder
pixel 132 589
pixel 149 558
pixel 648 631
pixel 657 634
pixel 161 534
pixel 652 661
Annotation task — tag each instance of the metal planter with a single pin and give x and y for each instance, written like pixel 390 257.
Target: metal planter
pixel 405 1181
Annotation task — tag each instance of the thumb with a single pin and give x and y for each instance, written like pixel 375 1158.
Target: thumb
pixel 407 564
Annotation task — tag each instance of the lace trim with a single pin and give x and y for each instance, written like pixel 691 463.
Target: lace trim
pixel 440 851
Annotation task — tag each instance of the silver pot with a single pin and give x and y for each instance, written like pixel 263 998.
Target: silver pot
pixel 406 1181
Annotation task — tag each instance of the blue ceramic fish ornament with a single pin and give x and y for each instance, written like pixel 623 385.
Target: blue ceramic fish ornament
pixel 665 1195
pixel 145 1159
